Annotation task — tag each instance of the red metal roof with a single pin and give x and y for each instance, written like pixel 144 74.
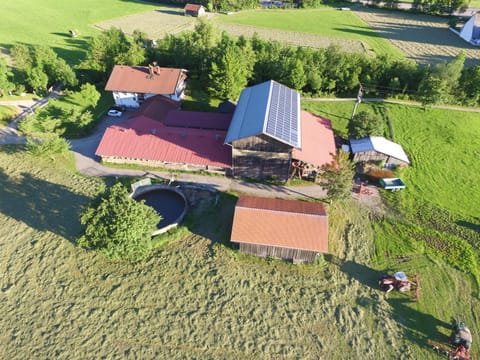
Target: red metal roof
pixel 282 223
pixel 318 142
pixel 199 120
pixel 145 138
pixel 137 79
pixel 192 7
pixel 157 107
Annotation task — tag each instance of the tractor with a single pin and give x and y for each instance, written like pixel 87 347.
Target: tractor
pixel 460 342
pixel 400 282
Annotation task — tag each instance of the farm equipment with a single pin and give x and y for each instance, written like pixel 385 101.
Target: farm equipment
pixel 400 282
pixel 459 343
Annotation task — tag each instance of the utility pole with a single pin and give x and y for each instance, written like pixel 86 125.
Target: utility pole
pixel 358 100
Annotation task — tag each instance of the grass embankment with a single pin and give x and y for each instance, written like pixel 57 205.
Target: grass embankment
pixel 325 21
pixel 53 20
pixel 6 114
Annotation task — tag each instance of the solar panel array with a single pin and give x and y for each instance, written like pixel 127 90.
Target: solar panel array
pixel 283 116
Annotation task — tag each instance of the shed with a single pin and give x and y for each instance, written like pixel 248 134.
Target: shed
pixel 196 10
pixel 377 148
pixel 264 130
pixel 287 229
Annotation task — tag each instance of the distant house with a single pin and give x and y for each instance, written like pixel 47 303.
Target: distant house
pixel 194 10
pixel 376 148
pixel 286 229
pixel 266 133
pixel 471 30
pixel 132 85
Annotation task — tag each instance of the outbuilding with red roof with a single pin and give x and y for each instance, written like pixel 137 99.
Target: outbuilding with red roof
pixel 286 229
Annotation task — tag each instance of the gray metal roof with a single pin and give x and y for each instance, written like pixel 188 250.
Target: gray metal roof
pixel 380 144
pixel 269 108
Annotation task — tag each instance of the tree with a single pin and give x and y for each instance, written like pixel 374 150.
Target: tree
pixel 336 177
pixel 229 74
pixel 366 124
pixel 89 94
pixel 5 84
pixel 441 84
pixel 470 81
pixel 47 146
pixel 109 48
pixel 119 227
pixel 39 66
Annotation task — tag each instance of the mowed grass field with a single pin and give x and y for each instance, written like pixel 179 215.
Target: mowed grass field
pixel 47 22
pixel 425 39
pixel 196 297
pixel 323 22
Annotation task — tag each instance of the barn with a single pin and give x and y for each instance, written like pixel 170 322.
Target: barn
pixel 194 10
pixel 377 148
pixel 265 129
pixel 286 229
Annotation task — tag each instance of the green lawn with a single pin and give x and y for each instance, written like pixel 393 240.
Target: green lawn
pixel 47 22
pixel 443 146
pixel 6 114
pixel 323 21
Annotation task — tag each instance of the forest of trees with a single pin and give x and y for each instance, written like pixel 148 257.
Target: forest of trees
pixel 211 55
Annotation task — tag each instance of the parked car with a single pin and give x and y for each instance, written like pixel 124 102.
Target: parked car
pixel 114 113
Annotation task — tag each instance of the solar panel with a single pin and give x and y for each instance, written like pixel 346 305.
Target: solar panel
pixel 283 114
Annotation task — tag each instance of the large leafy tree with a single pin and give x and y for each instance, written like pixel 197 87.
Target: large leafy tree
pixel 39 67
pixel 110 48
pixel 119 227
pixel 441 84
pixel 336 177
pixel 5 73
pixel 366 123
pixel 230 73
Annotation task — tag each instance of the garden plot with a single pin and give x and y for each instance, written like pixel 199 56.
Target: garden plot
pixel 156 24
pixel 423 38
pixel 295 38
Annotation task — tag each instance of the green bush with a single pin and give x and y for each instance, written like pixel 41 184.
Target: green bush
pixel 47 145
pixel 119 227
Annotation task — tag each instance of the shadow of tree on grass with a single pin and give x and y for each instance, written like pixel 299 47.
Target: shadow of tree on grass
pixel 42 205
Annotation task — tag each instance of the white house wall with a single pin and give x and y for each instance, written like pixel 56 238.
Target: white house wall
pixel 129 100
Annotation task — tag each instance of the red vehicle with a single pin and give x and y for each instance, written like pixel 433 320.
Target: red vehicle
pixel 399 281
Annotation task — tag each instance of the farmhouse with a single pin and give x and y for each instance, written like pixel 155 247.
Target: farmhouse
pixel 132 85
pixel 471 30
pixel 287 229
pixel 194 10
pixel 159 135
pixel 376 148
pixel 266 133
pixel 258 138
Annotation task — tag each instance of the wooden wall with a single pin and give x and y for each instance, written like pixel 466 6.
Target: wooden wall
pixel 376 156
pixel 261 157
pixel 295 255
